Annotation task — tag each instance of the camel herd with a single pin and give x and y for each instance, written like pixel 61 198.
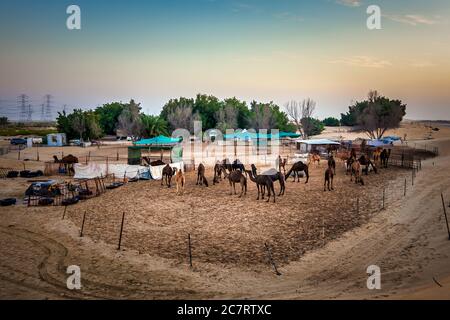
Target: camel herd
pixel 236 173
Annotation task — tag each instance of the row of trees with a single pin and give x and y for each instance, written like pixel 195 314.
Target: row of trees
pixel 373 116
pixel 126 119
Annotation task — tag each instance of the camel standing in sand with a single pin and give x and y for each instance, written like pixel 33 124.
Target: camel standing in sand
pixel 237 177
pixel 357 171
pixel 329 176
pixel 263 182
pixel 296 168
pixel 332 164
pixel 201 175
pixel 219 169
pixel 180 179
pixel 167 174
pixel 67 161
pixel 314 158
pixel 274 175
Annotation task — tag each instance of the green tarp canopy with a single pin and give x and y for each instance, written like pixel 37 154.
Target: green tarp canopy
pixel 161 140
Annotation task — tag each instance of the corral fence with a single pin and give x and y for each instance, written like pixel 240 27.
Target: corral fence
pixel 4 172
pixel 63 194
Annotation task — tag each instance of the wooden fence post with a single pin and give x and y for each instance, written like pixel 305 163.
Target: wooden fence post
pixel 271 260
pixel 64 214
pixel 121 230
pixel 404 189
pixel 82 224
pixel 190 250
pixel 445 214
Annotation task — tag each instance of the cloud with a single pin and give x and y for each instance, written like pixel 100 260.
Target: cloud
pixel 363 61
pixel 349 3
pixel 413 19
pixel 422 64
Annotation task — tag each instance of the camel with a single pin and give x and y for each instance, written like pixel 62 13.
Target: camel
pixel 384 157
pixel 314 157
pixel 357 171
pixel 238 165
pixel 153 163
pixel 67 161
pixel 274 175
pixel 263 182
pixel 167 174
pixel 366 162
pixel 332 164
pixel 201 175
pixel 329 176
pixel 219 169
pixel 180 179
pixel 283 165
pixel 296 168
pixel 237 177
pixel 226 163
pixel 376 156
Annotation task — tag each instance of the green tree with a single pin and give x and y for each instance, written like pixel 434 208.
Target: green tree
pixel 377 114
pixel 314 126
pixel 331 122
pixel 93 128
pixel 207 107
pixel 3 121
pixel 108 116
pixel 154 126
pixel 130 123
pixel 243 112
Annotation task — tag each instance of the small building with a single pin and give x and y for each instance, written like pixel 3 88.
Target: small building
pixel 316 145
pixel 56 139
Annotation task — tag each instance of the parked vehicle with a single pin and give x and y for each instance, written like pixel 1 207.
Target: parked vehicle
pixel 75 142
pixel 18 141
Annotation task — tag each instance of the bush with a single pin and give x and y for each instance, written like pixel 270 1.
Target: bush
pixel 331 122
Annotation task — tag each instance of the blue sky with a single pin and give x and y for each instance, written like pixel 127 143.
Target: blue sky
pixel 254 49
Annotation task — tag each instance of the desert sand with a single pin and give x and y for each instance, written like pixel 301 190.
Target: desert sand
pixel 320 242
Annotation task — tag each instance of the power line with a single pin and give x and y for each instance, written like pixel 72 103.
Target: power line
pixel 48 107
pixel 22 101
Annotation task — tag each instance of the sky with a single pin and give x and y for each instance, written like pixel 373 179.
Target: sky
pixel 264 50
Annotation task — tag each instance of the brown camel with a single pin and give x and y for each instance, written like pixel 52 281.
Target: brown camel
pixel 332 164
pixel 219 169
pixel 296 168
pixel 274 175
pixel 201 175
pixel 357 171
pixel 263 182
pixel 180 179
pixel 68 162
pixel 167 174
pixel 237 177
pixel 314 158
pixel 283 165
pixel 329 176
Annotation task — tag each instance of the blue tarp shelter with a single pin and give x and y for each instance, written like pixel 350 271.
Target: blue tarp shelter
pixel 158 141
pixel 379 143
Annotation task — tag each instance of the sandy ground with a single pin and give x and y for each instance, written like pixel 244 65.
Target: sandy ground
pixel 320 243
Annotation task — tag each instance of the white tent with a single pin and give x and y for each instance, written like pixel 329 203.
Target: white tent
pixel 94 170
